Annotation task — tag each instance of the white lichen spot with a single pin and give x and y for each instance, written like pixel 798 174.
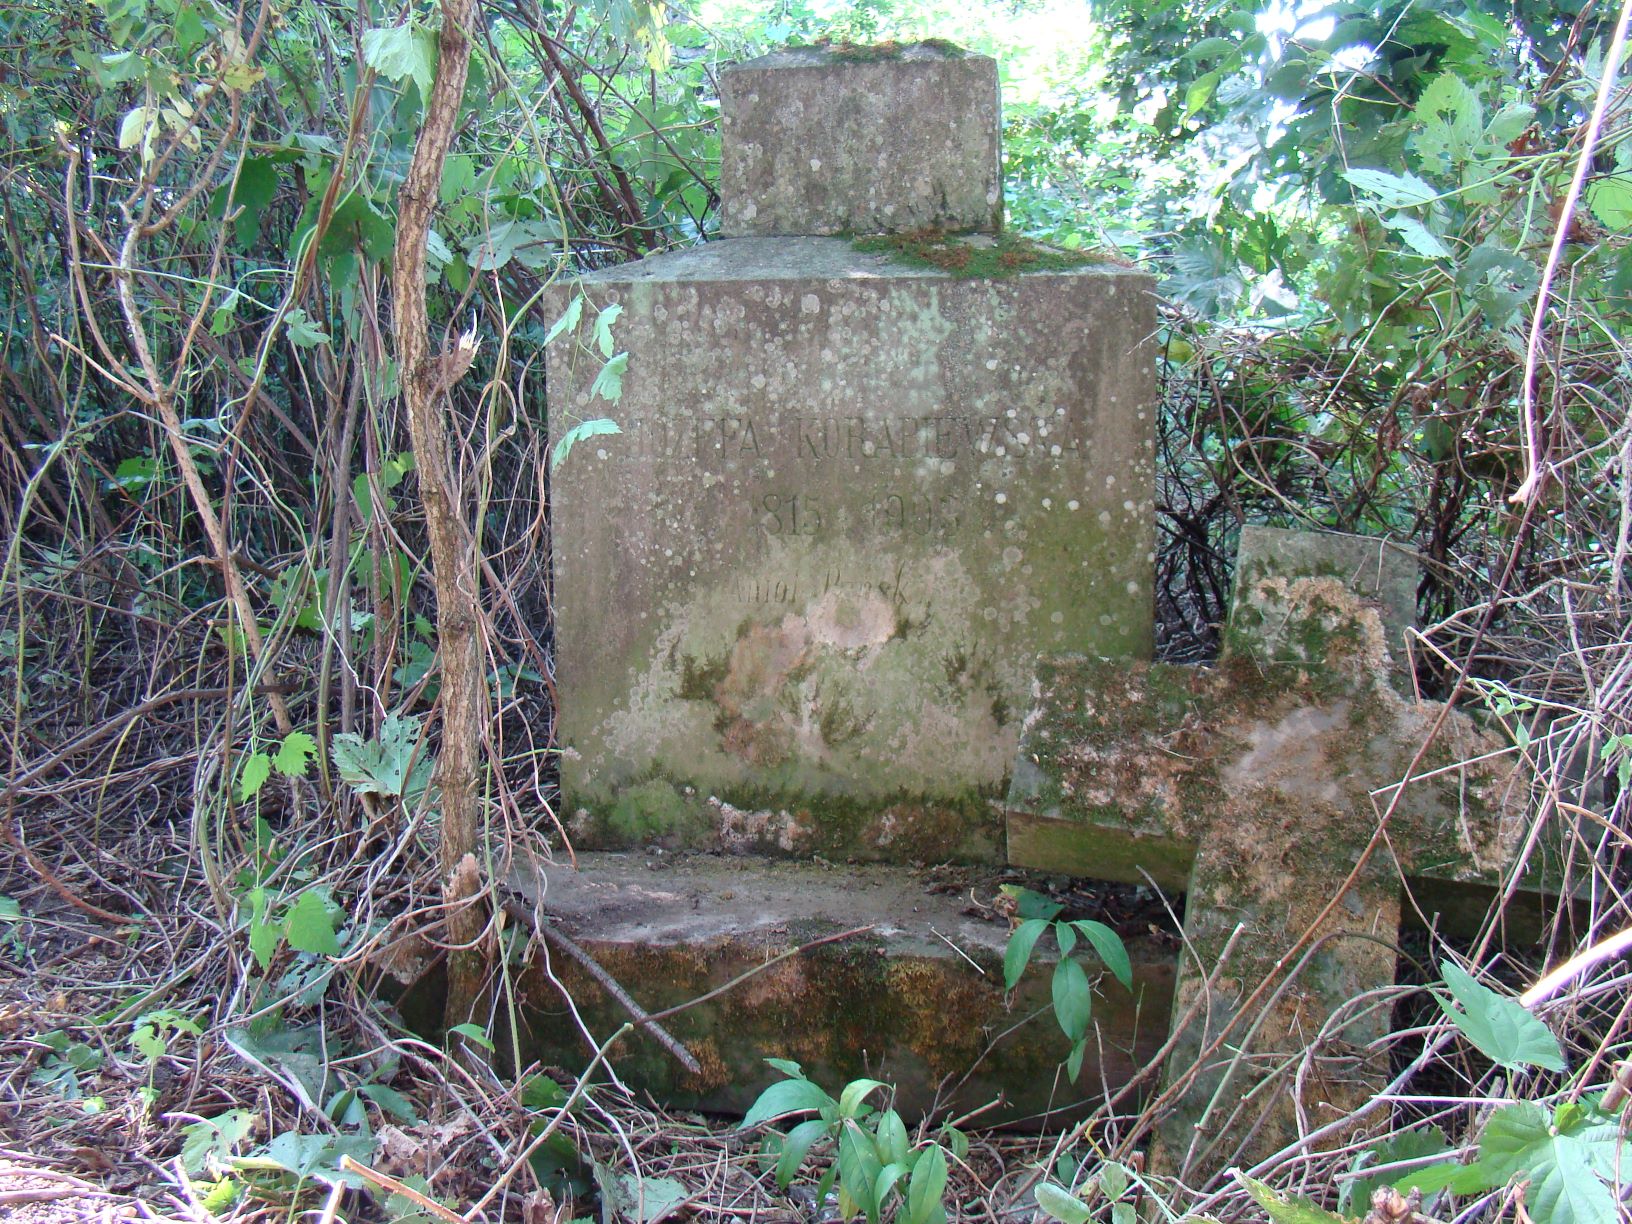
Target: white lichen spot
pixel 1048 502
pixel 1057 618
pixel 810 304
pixel 1073 504
pixel 1000 498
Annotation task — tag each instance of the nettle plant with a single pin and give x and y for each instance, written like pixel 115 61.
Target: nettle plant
pixel 1073 992
pixel 876 1159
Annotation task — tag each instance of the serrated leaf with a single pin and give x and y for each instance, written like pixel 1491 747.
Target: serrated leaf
pixel 1499 1028
pixel 1073 999
pixel 402 52
pixel 608 383
pixel 1061 1205
pixel 1018 952
pixel 309 928
pixel 294 754
pixel 1392 190
pixel 383 766
pixel 211 1142
pixel 303 332
pixel 1418 236
pixel 603 328
pixel 319 1155
pixel 568 320
pixel 1565 1165
pixel 785 1097
pixel 252 775
pixel 584 429
pixel 1110 947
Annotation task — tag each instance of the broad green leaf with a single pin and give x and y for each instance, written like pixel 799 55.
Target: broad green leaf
pixel 855 1092
pixel 211 1142
pixel 252 775
pixel 473 1033
pixel 1073 1061
pixel 1073 999
pixel 1499 1028
pixel 608 383
pixel 795 1147
pixel 303 333
pixel 1392 190
pixel 1110 947
pixel 1418 236
pixel 786 1097
pixel 133 128
pixel 887 1178
pixel 1065 937
pixel 927 1185
pixel 309 928
pixel 859 1169
pixel 1354 1196
pixel 384 766
pixel 319 1155
pixel 1611 202
pixel 390 1101
pixel 1565 1159
pixel 295 754
pixel 1061 1205
pixel 401 52
pixel 1285 1210
pixel 1018 952
pixel 890 1137
pixel 584 429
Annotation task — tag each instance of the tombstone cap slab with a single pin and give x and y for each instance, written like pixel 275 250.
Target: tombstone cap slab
pixel 834 140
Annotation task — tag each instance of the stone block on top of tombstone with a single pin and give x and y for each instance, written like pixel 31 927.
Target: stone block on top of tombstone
pixel 801 596
pixel 834 140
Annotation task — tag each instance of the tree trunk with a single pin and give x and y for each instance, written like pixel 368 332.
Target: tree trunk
pixel 425 384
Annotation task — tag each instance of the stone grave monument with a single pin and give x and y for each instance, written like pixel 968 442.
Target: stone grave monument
pixel 866 575
pixel 802 593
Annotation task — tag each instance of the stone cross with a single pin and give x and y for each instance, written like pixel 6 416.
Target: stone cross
pixel 853 496
pixel 1254 788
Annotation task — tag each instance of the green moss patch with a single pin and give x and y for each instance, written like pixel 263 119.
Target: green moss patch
pixel 883 52
pixel 964 257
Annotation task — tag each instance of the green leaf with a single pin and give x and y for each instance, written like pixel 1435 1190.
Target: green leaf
pixel 309 928
pixel 855 1092
pixel 1060 1205
pixel 1284 1210
pixel 1065 937
pixel 1073 999
pixel 1073 1061
pixel 603 328
pixel 887 1177
pixel 1611 202
pixel 568 320
pixel 1418 1143
pixel 1392 190
pixel 400 52
pixel 785 1097
pixel 384 766
pixel 1018 952
pixel 210 1142
pixel 1564 1158
pixel 252 775
pixel 859 1169
pixel 1418 237
pixel 927 1185
pixel 890 1137
pixel 294 754
pixel 264 936
pixel 608 383
pixel 1110 947
pixel 319 1155
pixel 474 1033
pixel 1498 1027
pixel 795 1148
pixel 584 429
pixel 303 333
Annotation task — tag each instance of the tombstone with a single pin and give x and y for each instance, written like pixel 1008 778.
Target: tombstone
pixel 1255 788
pixel 855 495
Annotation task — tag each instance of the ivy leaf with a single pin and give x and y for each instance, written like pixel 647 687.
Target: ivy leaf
pixel 257 768
pixel 309 928
pixel 294 754
pixel 400 52
pixel 1018 953
pixel 1499 1028
pixel 584 429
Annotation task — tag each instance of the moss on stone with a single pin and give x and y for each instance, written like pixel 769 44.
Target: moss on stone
pixel 888 51
pixel 971 258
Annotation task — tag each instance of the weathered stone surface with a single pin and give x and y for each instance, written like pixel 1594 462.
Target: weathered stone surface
pixel 814 141
pixel 800 597
pixel 1255 786
pixel 916 1003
